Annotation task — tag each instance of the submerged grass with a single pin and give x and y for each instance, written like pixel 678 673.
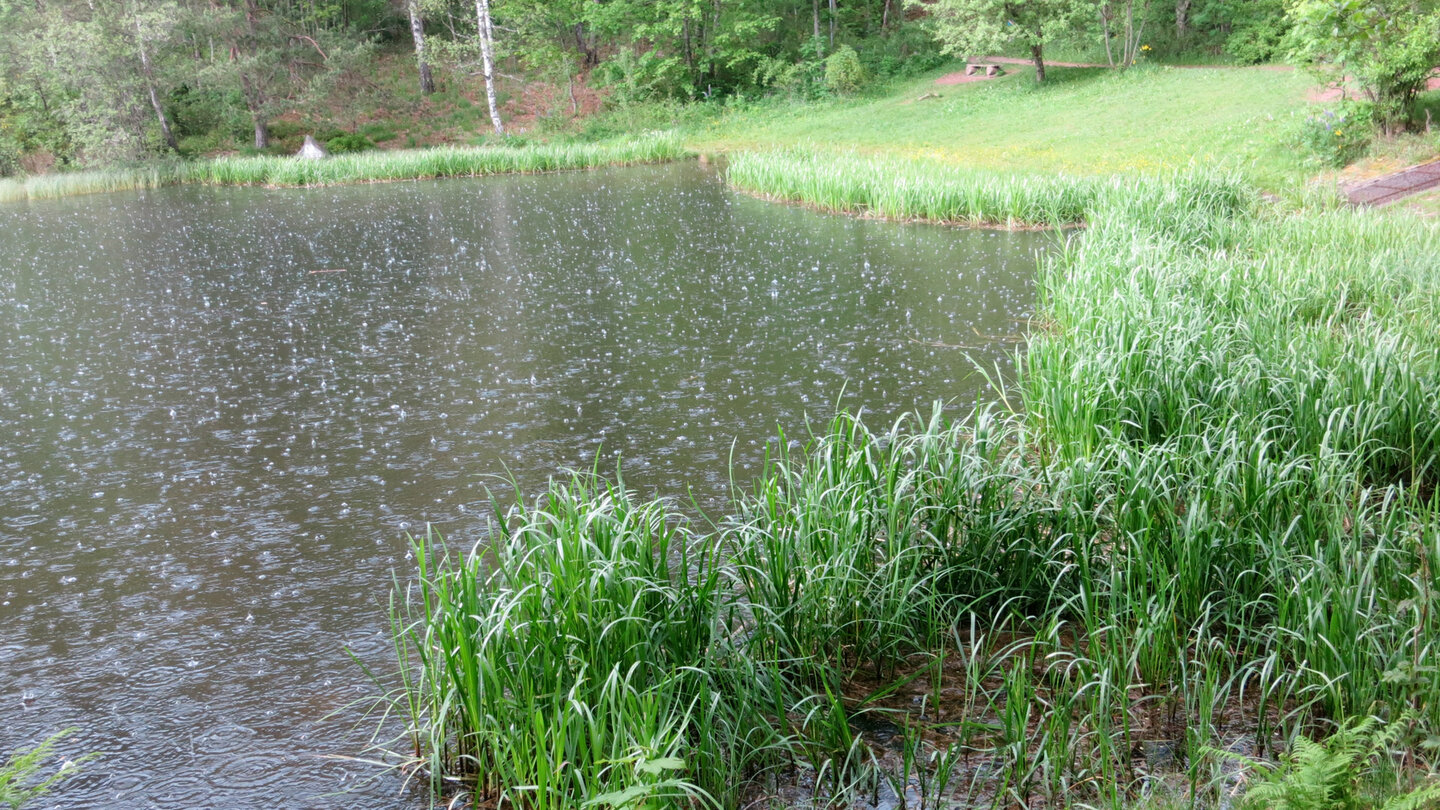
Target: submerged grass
pixel 1213 527
pixel 358 167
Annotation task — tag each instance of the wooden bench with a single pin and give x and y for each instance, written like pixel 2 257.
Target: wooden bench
pixel 990 70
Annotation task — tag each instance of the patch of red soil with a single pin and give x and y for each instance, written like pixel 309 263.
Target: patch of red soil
pixel 537 100
pixel 1334 91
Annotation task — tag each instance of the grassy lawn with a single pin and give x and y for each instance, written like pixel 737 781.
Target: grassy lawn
pixel 1086 121
pixel 1427 204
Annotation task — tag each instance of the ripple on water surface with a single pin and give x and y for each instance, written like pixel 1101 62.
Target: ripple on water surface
pixel 213 450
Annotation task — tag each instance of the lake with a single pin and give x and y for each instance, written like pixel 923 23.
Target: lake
pixel 225 408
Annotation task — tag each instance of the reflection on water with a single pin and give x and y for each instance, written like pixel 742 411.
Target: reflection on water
pixel 224 408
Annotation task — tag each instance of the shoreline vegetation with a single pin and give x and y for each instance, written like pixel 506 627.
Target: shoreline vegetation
pixel 1205 536
pixel 923 190
pixel 359 167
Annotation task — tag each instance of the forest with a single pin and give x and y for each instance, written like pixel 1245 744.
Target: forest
pixel 90 83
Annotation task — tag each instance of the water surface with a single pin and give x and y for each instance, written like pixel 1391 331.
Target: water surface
pixel 224 408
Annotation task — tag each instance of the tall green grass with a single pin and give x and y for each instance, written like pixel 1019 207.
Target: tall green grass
pixel 1212 517
pixel 918 189
pixel 51 186
pixel 359 167
pixel 445 161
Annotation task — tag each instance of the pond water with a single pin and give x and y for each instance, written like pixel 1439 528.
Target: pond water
pixel 223 409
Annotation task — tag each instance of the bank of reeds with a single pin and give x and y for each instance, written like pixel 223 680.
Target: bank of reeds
pixel 1213 526
pixel 68 184
pixel 361 167
pixel 918 189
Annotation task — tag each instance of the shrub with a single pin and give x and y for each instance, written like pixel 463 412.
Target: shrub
pixel 1258 41
pixel 1336 137
pixel 843 72
pixel 351 142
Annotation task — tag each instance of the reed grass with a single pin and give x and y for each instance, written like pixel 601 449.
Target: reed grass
pixel 447 161
pixel 1211 517
pixel 52 186
pixel 900 188
pixel 361 167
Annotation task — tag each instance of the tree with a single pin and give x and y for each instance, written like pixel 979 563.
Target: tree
pixel 1129 16
pixel 1389 47
pixel 275 60
pixel 485 30
pixel 156 23
pixel 417 33
pixel 967 28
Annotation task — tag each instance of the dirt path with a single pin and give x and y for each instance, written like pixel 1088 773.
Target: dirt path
pixel 1396 186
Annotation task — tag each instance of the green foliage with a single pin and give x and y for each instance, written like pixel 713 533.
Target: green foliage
pixel 20 775
pixel 1335 774
pixel 843 72
pixel 1390 47
pixel 634 75
pixel 1336 137
pixel 351 142
pixel 204 111
pixel 973 28
pixel 1258 37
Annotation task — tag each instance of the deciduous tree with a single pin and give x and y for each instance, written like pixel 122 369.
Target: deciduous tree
pixel 1390 47
pixel 969 28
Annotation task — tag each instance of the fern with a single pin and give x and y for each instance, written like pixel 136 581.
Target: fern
pixel 1329 775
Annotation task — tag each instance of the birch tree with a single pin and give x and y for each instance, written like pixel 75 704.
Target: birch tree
pixel 417 33
pixel 486 32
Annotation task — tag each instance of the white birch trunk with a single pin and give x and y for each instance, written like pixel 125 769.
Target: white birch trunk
pixel 417 32
pixel 487 59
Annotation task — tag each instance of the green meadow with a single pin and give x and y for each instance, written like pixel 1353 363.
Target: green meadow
pixel 1081 121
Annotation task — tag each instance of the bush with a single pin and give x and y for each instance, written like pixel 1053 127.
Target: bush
pixel 1336 137
pixel 1258 41
pixel 843 72
pixel 348 142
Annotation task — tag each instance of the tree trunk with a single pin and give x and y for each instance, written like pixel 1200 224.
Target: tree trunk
pixel 592 57
pixel 417 32
pixel 1037 54
pixel 1105 32
pixel 252 89
pixel 815 6
pixel 885 17
pixel 487 58
pixel 834 14
pixel 150 88
pixel 1182 18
